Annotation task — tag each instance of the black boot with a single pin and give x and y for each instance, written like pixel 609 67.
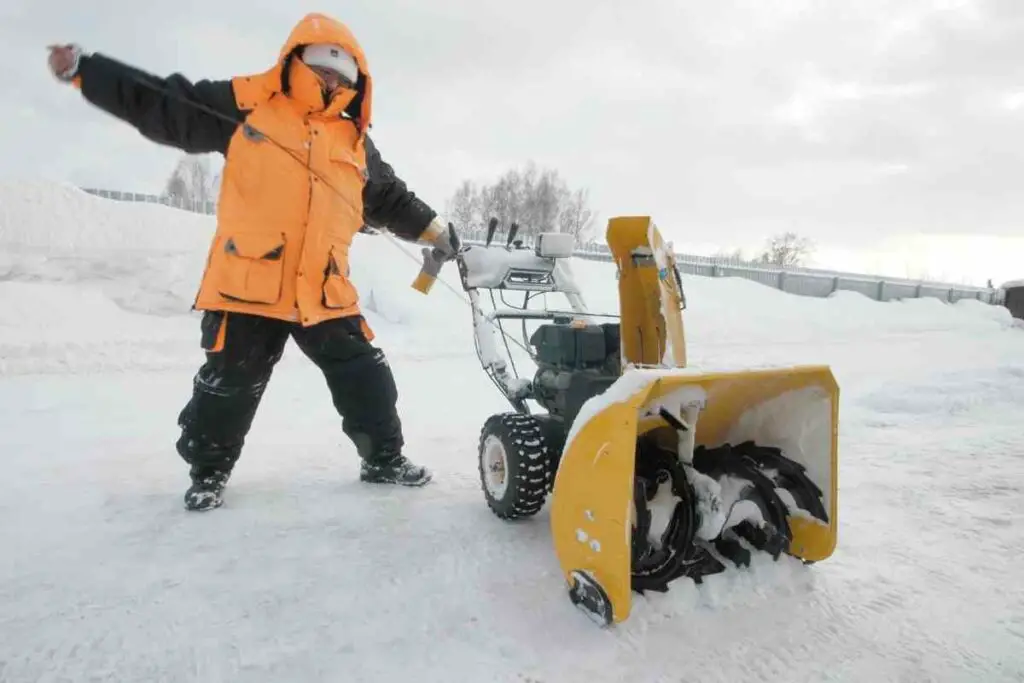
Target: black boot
pixel 227 390
pixel 397 470
pixel 365 395
pixel 206 492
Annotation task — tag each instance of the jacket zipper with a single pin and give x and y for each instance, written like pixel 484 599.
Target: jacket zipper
pixel 309 209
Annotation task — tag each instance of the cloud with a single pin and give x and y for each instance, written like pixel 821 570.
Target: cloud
pixel 849 122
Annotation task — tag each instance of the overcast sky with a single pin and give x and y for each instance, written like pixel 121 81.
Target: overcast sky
pixel 727 120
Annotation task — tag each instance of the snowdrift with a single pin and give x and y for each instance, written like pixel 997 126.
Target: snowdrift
pixel 95 283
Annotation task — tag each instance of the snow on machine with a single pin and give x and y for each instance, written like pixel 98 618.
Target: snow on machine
pixel 656 471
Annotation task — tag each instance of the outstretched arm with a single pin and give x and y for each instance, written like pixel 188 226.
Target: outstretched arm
pixel 194 117
pixel 389 203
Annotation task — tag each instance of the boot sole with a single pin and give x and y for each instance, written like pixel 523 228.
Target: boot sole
pixel 397 482
pixel 203 509
pixel 205 506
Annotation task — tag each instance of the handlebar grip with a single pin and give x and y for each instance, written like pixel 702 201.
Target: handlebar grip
pixel 429 271
pixel 432 262
pixel 424 282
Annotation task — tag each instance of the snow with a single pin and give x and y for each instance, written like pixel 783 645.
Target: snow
pixel 489 266
pixel 800 423
pixel 685 403
pixel 632 382
pixel 710 505
pixel 559 245
pixel 306 575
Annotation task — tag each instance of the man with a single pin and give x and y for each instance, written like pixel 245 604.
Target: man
pixel 301 177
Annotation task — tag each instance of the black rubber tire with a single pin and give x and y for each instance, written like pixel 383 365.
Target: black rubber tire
pixel 528 470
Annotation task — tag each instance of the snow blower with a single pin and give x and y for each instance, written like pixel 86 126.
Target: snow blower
pixel 656 471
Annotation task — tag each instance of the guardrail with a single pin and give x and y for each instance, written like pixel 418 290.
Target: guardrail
pixel 802 281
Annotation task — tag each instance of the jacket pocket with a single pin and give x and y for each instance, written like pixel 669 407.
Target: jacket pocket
pixel 251 267
pixel 338 290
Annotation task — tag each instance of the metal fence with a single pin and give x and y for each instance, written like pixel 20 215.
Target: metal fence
pixel 176 202
pixel 793 280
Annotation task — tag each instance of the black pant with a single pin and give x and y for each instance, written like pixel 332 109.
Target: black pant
pixel 242 351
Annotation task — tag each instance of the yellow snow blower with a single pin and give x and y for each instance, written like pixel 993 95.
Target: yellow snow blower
pixel 658 471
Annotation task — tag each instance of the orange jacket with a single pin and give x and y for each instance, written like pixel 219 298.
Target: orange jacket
pixel 284 225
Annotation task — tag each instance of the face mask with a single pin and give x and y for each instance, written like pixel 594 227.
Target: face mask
pixel 320 90
pixel 331 81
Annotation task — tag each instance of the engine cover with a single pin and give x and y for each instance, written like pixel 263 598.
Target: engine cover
pixel 572 347
pixel 574 363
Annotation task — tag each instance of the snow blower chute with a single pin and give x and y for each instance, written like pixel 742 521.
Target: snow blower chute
pixel 657 471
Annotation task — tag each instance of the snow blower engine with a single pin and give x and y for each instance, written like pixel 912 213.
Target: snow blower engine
pixel 656 471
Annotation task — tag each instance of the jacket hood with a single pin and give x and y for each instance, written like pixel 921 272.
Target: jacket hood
pixel 320 28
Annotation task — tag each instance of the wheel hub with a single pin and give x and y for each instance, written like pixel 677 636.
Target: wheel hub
pixel 495 467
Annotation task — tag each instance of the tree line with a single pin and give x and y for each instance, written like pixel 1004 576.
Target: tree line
pixel 536 199
pixel 193 180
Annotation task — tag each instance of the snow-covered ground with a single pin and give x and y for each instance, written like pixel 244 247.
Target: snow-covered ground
pixel 305 575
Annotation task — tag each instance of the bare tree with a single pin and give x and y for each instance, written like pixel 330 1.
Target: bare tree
pixel 538 200
pixel 177 186
pixel 464 207
pixel 504 199
pixel 787 249
pixel 576 217
pixel 729 255
pixel 523 189
pixel 549 197
pixel 487 203
pixel 192 181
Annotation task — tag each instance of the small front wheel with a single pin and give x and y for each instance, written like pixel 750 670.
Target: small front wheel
pixel 514 463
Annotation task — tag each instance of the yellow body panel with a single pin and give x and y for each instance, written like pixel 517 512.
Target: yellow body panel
pixel 669 296
pixel 593 493
pixel 643 327
pixel 793 408
pixel 591 508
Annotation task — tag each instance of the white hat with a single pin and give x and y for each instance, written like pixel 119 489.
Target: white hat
pixel 332 57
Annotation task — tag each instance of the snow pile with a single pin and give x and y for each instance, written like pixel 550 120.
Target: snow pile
pixel 800 423
pixel 62 219
pixel 721 310
pixel 134 268
pixel 110 278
